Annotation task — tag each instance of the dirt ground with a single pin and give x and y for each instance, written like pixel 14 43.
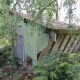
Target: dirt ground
pixel 24 72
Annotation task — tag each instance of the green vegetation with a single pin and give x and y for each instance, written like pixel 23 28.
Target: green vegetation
pixel 54 66
pixel 9 21
pixel 66 67
pixel 2 74
pixel 5 55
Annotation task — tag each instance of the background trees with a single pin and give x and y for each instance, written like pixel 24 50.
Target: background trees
pixel 39 9
pixel 49 9
pixel 8 21
pixel 70 5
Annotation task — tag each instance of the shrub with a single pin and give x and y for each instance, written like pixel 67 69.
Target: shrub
pixel 66 67
pixel 40 72
pixel 40 78
pixel 5 55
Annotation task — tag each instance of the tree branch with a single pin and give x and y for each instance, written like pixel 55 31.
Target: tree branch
pixel 45 7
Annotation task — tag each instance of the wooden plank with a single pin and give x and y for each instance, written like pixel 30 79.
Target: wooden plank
pixel 74 44
pixel 61 31
pixel 69 43
pixel 58 42
pixel 66 39
pixel 77 45
pixel 76 48
pixel 45 50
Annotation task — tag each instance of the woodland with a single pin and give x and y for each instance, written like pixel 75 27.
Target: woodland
pixel 53 66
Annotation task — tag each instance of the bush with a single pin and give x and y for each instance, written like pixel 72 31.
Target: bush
pixel 40 78
pixel 5 55
pixel 40 72
pixel 66 67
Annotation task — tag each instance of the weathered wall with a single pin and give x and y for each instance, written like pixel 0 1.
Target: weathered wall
pixel 19 45
pixel 35 39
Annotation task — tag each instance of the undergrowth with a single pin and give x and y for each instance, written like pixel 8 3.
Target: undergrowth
pixel 54 67
pixel 5 55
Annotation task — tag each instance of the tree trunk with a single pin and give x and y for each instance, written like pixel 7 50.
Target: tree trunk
pixel 69 13
pixel 46 50
pixel 57 10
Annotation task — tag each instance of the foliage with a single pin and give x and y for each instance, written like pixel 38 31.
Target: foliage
pixel 66 67
pixel 40 78
pixel 2 74
pixel 16 76
pixel 40 72
pixel 49 9
pixel 70 6
pixel 5 55
pixel 3 42
pixel 8 20
pixel 39 9
pixel 14 61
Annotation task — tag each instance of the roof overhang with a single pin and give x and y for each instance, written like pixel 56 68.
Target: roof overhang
pixel 57 26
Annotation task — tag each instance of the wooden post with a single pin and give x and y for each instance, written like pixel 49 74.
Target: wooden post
pixel 46 50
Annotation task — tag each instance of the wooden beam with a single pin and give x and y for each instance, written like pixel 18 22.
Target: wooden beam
pixel 58 42
pixel 74 44
pixel 69 43
pixel 66 39
pixel 66 31
pixel 76 48
pixel 45 50
pixel 61 31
